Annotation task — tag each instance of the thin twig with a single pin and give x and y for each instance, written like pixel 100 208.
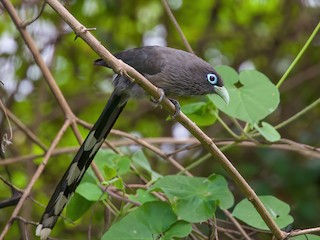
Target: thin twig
pixel 5 140
pixel 304 231
pixel 155 150
pixel 236 224
pixel 298 57
pixel 31 157
pixel 69 116
pixel 298 114
pixel 25 129
pixel 213 229
pixel 226 127
pixel 34 178
pixel 37 17
pixel 176 24
pixel 196 163
pixel 147 145
pixel 192 143
pixel 198 235
pixel 120 197
pixel 20 190
pixel 38 59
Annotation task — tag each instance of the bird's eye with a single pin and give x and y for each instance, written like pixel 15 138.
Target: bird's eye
pixel 212 78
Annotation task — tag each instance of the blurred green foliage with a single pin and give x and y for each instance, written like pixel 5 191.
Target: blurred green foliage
pixel 264 35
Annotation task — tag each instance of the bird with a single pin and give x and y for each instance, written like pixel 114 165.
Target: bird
pixel 175 72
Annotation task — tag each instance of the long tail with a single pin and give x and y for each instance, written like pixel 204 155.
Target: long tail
pixel 80 164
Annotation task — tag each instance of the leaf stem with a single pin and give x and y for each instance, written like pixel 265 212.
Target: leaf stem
pixel 298 114
pixel 304 48
pixel 205 158
pixel 226 126
pixel 195 163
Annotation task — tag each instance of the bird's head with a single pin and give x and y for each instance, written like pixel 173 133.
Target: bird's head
pixel 216 81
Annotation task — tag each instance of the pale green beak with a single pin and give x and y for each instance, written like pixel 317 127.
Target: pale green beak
pixel 223 93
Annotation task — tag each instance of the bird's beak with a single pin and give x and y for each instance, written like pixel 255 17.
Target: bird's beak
pixel 223 93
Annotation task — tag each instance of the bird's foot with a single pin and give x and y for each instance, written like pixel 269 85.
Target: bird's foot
pixel 158 101
pixel 175 103
pixel 177 107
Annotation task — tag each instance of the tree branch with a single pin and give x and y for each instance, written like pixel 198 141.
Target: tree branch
pixel 176 25
pixel 34 178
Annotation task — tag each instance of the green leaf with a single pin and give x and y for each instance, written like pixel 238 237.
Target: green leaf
pixel 89 177
pixel 123 166
pixel 252 95
pixel 140 160
pixel 203 209
pixel 112 163
pixel 106 157
pixel 200 194
pixel 268 132
pixel 142 196
pixel 180 230
pixel 119 184
pixel 203 114
pixel 109 172
pixel 278 210
pixel 218 187
pixel 90 191
pixel 77 207
pixel 144 223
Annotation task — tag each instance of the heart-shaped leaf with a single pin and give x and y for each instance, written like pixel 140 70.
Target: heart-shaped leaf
pixel 148 221
pixel 202 195
pixel 278 210
pixel 252 95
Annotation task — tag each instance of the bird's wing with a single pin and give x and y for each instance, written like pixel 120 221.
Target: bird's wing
pixel 146 60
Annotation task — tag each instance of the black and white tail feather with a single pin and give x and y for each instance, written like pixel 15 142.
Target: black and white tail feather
pixel 80 163
pixel 176 72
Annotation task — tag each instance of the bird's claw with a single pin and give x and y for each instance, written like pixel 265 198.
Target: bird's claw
pixel 177 107
pixel 175 103
pixel 158 101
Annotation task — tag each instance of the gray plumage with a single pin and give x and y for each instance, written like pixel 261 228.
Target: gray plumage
pixel 176 72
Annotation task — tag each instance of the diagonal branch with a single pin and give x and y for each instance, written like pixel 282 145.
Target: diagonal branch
pixel 176 25
pixel 25 129
pixel 70 119
pixel 35 177
pixel 38 59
